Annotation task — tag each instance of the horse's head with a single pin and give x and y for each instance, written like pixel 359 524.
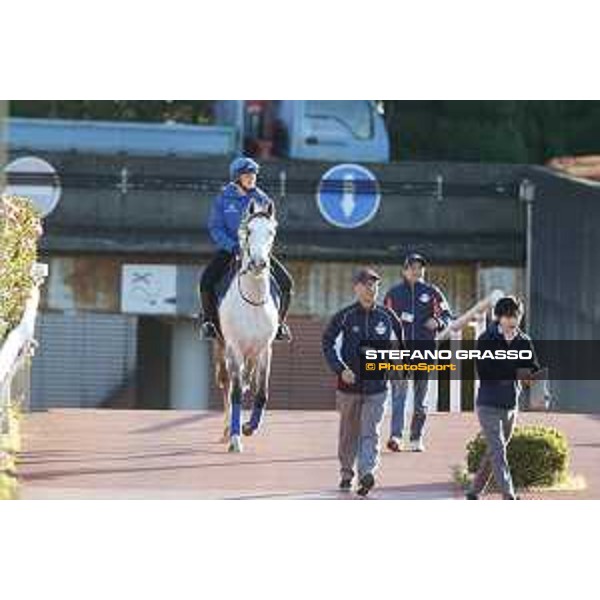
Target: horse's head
pixel 257 235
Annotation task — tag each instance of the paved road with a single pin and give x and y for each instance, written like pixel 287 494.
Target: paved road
pixel 118 454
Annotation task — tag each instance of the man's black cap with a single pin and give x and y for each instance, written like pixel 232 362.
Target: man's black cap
pixel 414 257
pixel 364 275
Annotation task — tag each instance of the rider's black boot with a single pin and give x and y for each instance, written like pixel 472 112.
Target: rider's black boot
pixel 283 331
pixel 209 328
pixel 208 331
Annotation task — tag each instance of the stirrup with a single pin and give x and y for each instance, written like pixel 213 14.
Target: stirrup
pixel 208 331
pixel 283 333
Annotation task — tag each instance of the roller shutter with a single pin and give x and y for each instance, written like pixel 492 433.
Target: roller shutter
pixel 83 359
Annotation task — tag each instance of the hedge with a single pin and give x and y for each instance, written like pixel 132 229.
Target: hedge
pixel 8 487
pixel 20 228
pixel 538 456
pixel 10 445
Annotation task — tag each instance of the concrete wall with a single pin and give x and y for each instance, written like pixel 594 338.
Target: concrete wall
pixel 93 283
pixel 118 210
pixel 153 206
pixel 565 287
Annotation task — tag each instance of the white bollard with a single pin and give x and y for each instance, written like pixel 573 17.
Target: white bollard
pixel 456 380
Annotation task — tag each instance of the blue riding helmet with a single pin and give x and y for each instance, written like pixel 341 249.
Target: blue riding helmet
pixel 242 165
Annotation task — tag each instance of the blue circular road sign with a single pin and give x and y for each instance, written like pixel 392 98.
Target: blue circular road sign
pixel 348 196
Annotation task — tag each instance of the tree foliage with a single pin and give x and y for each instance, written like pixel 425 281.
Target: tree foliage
pixel 492 131
pixel 516 131
pixel 181 111
pixel 20 229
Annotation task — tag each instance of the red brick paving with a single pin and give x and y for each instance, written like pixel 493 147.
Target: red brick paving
pixel 164 454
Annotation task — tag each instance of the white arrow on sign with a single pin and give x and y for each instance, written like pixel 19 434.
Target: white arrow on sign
pixel 348 203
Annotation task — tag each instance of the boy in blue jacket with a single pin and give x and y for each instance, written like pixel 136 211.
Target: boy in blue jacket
pixel 497 395
pixel 227 212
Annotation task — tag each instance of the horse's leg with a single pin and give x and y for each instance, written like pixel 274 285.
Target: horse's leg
pixel 223 384
pixel 235 443
pixel 263 369
pixel 226 414
pixel 234 368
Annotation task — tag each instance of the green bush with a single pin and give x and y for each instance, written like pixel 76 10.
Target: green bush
pixel 20 228
pixel 538 456
pixel 9 488
pixel 10 445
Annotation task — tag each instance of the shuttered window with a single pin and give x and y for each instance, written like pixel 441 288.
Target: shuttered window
pixel 83 359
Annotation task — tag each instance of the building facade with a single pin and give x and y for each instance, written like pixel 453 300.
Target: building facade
pixel 128 240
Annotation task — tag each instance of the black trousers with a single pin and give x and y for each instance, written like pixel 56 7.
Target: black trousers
pixel 215 271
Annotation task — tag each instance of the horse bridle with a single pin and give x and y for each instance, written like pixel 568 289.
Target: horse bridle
pixel 247 269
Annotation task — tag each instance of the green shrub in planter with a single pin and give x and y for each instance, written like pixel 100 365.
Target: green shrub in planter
pixel 20 228
pixel 538 456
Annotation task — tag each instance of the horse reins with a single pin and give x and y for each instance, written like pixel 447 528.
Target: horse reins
pixel 245 298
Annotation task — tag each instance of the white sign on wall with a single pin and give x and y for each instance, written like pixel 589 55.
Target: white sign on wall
pixel 149 289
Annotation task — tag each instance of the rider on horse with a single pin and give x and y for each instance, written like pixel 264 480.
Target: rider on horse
pixel 224 221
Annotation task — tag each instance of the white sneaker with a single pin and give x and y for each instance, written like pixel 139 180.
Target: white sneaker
pixel 417 446
pixel 394 444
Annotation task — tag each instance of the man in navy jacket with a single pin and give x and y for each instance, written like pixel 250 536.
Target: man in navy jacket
pixel 497 395
pixel 361 403
pixel 424 312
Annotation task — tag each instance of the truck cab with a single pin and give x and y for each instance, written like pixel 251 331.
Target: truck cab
pixel 325 130
pixel 329 130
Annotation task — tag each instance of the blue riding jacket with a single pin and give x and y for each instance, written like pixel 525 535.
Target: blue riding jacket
pixel 227 212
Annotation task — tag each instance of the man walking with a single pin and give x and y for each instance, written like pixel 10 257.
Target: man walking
pixel 424 312
pixel 496 397
pixel 361 404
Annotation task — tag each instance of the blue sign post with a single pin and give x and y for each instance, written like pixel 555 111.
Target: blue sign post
pixel 348 196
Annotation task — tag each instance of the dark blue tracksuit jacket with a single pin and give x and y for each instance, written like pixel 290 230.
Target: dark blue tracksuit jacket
pixel 415 305
pixel 344 334
pixel 498 385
